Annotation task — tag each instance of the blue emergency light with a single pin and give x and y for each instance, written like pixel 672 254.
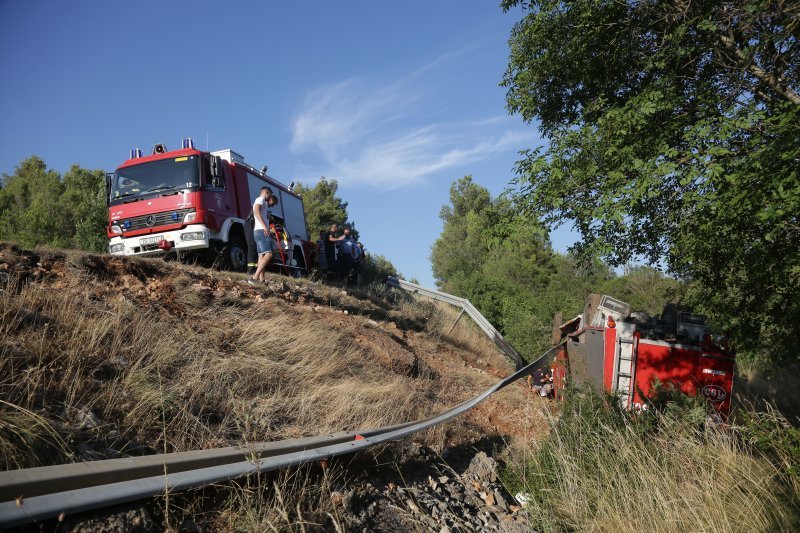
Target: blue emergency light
pixel 174 215
pixel 126 224
pixel 188 143
pixel 136 153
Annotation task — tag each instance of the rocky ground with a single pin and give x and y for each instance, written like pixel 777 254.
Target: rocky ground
pixel 458 490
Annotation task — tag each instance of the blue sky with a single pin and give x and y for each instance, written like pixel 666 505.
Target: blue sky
pixel 394 100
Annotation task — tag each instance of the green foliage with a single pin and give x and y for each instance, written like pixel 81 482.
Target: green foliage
pixel 672 132
pixel 504 264
pixel 324 207
pixel 39 207
pixel 773 435
pixel 645 288
pixel 377 268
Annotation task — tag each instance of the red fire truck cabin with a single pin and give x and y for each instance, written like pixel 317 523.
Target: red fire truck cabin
pixel 628 354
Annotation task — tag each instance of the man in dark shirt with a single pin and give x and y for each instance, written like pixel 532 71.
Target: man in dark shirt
pixel 331 241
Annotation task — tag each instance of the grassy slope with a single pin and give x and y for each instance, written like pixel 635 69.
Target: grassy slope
pixel 101 357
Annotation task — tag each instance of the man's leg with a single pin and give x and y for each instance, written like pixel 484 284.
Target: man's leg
pixel 262 265
pixel 267 257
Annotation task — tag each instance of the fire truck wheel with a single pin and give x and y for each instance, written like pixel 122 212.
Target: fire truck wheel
pixel 235 254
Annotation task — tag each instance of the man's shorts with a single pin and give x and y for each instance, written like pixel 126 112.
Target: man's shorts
pixel 264 244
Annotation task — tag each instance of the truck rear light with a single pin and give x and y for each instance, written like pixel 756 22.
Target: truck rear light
pixel 190 217
pixel 116 230
pixel 116 248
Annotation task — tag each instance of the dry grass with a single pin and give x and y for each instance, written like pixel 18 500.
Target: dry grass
pixel 102 357
pixel 220 375
pixel 600 470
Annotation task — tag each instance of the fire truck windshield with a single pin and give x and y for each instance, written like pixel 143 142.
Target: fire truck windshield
pixel 136 181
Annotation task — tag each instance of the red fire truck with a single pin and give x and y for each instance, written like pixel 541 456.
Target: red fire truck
pixel 631 355
pixel 189 200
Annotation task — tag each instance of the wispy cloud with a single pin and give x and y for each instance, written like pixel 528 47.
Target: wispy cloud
pixel 380 134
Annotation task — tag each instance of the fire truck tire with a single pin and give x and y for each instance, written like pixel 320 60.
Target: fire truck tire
pixel 234 254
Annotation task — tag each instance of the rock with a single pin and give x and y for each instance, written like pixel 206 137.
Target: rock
pixel 443 479
pixel 83 418
pixel 501 502
pixel 349 501
pixel 336 498
pixel 130 519
pixel 483 467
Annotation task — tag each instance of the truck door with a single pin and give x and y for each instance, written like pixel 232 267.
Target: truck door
pixel 219 201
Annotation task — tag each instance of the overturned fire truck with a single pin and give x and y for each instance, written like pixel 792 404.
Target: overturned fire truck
pixel 189 200
pixel 633 355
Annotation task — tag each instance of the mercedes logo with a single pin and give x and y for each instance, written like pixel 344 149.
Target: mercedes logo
pixel 150 220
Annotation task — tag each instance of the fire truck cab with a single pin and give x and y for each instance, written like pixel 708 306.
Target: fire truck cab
pixel 631 355
pixel 189 200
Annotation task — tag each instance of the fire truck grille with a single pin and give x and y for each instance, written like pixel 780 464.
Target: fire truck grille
pixel 155 219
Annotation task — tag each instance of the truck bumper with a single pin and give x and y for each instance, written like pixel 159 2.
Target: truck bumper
pixel 192 237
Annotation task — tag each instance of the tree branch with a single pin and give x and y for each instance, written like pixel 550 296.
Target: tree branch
pixel 769 79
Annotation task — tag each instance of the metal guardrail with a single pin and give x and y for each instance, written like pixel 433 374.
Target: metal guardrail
pixel 465 305
pixel 37 494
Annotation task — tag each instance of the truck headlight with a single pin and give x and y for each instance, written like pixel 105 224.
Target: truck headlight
pixel 190 217
pixel 116 230
pixel 116 248
pixel 193 236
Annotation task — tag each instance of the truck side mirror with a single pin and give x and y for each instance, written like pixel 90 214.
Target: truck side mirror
pixel 216 171
pixel 109 177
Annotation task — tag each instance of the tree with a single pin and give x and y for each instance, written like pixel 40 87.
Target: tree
pixel 672 130
pixel 84 201
pixel 323 206
pixel 504 264
pixel 377 268
pixel 38 207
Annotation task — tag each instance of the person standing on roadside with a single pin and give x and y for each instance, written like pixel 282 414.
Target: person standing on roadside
pixel 358 258
pixel 249 228
pixel 331 240
pixel 264 242
pixel 346 256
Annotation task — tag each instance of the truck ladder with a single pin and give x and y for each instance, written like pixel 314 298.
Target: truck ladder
pixel 625 370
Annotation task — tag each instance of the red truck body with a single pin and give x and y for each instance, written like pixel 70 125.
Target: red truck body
pixel 189 200
pixel 632 358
